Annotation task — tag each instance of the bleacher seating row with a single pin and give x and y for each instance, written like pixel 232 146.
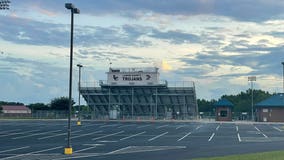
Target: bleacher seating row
pixel 141 100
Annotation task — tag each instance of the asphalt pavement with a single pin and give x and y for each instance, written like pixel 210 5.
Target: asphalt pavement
pixel 120 140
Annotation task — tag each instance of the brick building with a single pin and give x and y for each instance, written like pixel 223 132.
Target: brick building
pixel 271 109
pixel 223 110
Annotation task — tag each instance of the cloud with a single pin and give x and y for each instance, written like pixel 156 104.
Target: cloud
pixel 224 69
pixel 175 37
pixel 43 11
pixel 30 81
pixel 25 31
pixel 114 36
pixel 243 10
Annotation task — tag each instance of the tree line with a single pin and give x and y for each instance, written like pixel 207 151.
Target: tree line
pixel 242 102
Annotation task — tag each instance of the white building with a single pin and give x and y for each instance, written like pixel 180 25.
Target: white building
pixel 12 109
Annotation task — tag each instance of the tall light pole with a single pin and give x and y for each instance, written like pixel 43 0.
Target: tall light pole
pixel 251 79
pixel 4 4
pixel 283 77
pixel 79 86
pixel 68 149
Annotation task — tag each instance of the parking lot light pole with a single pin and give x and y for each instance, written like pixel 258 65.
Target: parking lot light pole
pixel 283 77
pixel 68 149
pixel 79 86
pixel 251 79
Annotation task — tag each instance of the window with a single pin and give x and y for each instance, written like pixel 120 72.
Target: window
pixel 223 113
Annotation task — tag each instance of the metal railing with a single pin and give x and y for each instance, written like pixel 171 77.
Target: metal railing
pixel 176 84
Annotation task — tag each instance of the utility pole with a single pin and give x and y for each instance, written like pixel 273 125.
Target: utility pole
pixel 68 150
pixel 251 79
pixel 79 86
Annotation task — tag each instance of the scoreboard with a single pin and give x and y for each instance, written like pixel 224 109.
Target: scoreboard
pixel 133 76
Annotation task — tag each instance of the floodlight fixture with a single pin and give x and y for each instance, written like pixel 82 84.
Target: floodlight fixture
pixel 4 4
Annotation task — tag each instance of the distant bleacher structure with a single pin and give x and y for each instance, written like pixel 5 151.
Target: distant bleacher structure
pixel 138 93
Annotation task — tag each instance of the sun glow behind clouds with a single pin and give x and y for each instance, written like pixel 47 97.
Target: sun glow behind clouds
pixel 165 66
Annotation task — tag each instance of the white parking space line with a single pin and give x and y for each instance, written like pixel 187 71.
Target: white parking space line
pixel 179 127
pixel 14 149
pixel 198 127
pixel 237 128
pixel 162 126
pixel 92 146
pixel 257 129
pixel 84 149
pixel 133 135
pixel 121 149
pixel 211 137
pixel 49 149
pixel 111 125
pixel 239 137
pixel 56 135
pixel 158 136
pixel 35 134
pixel 144 126
pixel 184 136
pixel 7 131
pixel 217 128
pixel 20 155
pixel 82 135
pixel 260 132
pixel 264 135
pixel 126 125
pixel 96 144
pixel 278 129
pixel 11 134
pixel 107 135
pixel 107 141
pixel 93 125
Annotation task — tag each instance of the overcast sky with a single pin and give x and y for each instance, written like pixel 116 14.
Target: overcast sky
pixel 215 43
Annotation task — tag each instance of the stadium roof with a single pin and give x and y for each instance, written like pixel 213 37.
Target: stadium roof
pixel 223 103
pixel 276 100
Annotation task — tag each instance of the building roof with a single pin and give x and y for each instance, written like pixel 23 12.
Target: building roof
pixel 276 100
pixel 8 107
pixel 223 103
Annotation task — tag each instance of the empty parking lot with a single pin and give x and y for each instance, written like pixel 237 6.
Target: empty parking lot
pixel 34 139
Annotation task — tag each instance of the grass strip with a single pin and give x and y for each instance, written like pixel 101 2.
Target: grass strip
pixel 275 155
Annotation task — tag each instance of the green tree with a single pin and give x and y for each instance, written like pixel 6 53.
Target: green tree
pixel 38 106
pixel 242 101
pixel 61 103
pixel 205 106
pixel 11 103
pixel 1 109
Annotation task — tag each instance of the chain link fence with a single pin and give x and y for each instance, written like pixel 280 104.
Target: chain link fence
pixel 115 115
